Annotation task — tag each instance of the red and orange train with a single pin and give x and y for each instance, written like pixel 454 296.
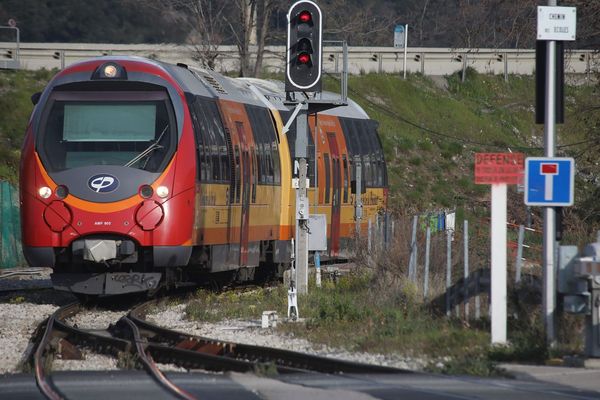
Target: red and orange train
pixel 136 174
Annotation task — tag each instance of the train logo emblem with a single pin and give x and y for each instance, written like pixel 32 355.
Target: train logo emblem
pixel 103 183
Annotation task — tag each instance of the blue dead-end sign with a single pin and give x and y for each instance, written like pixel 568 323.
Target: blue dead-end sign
pixel 549 181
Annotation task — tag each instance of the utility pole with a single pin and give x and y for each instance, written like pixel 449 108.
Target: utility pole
pixel 549 243
pixel 303 76
pixel 303 73
pixel 302 203
pixel 553 24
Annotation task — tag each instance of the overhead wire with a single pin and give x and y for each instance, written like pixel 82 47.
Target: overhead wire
pixel 434 132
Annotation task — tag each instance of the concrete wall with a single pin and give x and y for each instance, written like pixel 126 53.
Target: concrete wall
pixel 428 61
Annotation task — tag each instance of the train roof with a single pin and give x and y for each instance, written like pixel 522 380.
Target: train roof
pixel 262 92
pixel 206 82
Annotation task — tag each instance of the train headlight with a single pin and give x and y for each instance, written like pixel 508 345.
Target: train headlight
pixel 62 192
pixel 162 191
pixel 146 191
pixel 45 192
pixel 110 71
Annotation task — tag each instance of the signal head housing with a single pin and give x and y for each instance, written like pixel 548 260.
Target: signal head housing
pixel 304 55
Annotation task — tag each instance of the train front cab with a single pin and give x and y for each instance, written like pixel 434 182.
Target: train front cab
pixel 107 177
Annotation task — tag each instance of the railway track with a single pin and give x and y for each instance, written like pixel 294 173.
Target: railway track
pixel 149 345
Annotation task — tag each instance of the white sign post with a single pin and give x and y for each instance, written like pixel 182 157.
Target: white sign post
pixel 498 170
pixel 401 42
pixel 498 273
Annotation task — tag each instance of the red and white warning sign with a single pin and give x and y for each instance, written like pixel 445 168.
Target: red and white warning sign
pixel 492 168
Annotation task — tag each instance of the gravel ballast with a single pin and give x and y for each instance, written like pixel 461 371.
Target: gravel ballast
pixel 250 332
pixel 17 324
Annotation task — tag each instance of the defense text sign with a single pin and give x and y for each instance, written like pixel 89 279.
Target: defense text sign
pixel 492 168
pixel 556 23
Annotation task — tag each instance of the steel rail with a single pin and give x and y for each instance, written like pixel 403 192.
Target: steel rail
pixel 39 360
pixel 149 364
pixel 220 355
pixel 56 328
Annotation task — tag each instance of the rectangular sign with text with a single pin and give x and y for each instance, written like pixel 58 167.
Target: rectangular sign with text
pixel 556 23
pixel 492 168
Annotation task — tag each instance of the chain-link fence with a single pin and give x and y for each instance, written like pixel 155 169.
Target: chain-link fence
pixel 11 254
pixel 446 261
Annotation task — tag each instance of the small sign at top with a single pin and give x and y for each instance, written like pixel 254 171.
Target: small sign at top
pixel 399 37
pixel 556 23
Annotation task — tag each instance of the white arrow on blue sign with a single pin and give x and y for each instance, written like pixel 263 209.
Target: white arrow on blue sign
pixel 549 181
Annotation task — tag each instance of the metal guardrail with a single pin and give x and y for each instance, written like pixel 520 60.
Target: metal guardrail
pixel 427 61
pixel 12 53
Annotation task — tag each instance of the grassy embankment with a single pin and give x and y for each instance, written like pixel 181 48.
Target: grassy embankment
pixel 16 89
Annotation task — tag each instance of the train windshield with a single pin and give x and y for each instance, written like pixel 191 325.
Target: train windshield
pixel 132 129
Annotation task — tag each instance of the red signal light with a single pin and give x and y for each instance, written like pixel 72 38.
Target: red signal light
pixel 305 17
pixel 303 58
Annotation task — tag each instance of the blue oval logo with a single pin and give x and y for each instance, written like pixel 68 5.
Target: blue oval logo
pixel 103 183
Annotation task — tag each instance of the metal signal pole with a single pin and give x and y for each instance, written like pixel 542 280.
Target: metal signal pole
pixel 302 203
pixel 549 276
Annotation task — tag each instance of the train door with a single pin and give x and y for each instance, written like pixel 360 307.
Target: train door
pixel 245 192
pixel 336 198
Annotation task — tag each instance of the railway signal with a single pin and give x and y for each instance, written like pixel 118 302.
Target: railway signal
pixel 304 55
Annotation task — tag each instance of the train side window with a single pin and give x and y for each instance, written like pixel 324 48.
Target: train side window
pixel 207 138
pixel 231 166
pixel 222 156
pixel 203 143
pixel 198 142
pixel 352 136
pixel 260 170
pixel 276 166
pixel 211 140
pixel 345 173
pixel 272 146
pixel 265 136
pixel 254 173
pixel 270 138
pixel 327 177
pixel 366 171
pixel 257 135
pixel 237 185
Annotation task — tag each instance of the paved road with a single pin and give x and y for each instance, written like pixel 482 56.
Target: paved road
pixel 580 378
pixel 132 385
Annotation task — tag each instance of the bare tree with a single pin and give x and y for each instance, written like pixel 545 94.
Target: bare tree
pixel 263 31
pixel 204 19
pixel 244 23
pixel 242 30
pixel 358 24
pixel 588 24
pixel 253 29
pixel 494 23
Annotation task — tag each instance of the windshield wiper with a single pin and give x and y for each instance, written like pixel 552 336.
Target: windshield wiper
pixel 148 150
